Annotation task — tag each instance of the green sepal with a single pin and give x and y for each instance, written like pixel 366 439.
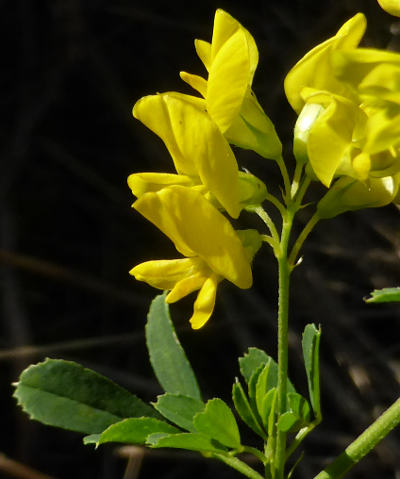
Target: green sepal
pixel 132 431
pixel 64 394
pixel 179 409
pixel 186 440
pixel 167 356
pixel 244 409
pixel 385 295
pixel 310 344
pixel 218 422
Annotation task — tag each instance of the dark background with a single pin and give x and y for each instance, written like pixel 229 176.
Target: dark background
pixel 72 71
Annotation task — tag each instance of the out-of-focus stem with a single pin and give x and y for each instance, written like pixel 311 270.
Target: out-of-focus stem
pixel 363 444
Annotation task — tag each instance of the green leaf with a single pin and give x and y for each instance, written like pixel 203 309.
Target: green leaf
pixel 271 398
pixel 263 379
pixel 251 361
pixel 167 356
pixel 267 406
pixel 91 439
pixel 244 409
pixel 299 406
pixel 179 409
pixel 262 387
pixel 310 345
pixel 64 394
pixel 135 430
pixel 297 415
pixel 218 422
pixel 186 440
pixel 252 385
pixel 385 295
pixel 287 421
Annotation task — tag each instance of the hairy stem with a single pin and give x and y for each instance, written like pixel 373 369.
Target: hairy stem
pixel 237 464
pixel 283 316
pixel 302 237
pixel 363 444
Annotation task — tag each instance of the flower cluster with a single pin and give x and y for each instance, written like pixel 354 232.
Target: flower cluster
pixel 188 206
pixel 347 136
pixel 348 127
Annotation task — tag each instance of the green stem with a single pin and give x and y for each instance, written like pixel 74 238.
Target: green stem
pixel 302 190
pixel 296 179
pixel 276 203
pixel 300 436
pixel 285 176
pixel 255 452
pixel 237 464
pixel 363 444
pixel 302 237
pixel 269 223
pixel 283 316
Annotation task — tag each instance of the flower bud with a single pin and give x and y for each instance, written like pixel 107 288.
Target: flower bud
pixel 348 194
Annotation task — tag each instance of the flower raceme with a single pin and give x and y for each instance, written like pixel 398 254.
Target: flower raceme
pixel 348 125
pixel 212 248
pixel 231 60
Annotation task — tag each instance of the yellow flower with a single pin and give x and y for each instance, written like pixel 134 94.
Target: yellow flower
pixel 391 6
pixel 344 139
pixel 231 60
pixel 348 101
pixel 315 69
pixel 213 249
pixel 201 155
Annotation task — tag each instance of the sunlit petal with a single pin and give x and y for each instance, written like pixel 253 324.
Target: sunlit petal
pixel 205 302
pixel 207 233
pixel 163 274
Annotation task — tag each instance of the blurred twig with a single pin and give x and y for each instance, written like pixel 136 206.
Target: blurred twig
pixel 61 273
pixel 20 471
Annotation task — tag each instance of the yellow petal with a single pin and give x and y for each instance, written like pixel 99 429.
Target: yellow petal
pixel 228 80
pixel 372 72
pixel 234 58
pixel 205 302
pixel 382 131
pixel 362 165
pixel 196 145
pixel 196 82
pixel 391 6
pixel 185 287
pixel 315 70
pixel 198 229
pixel 163 274
pixel 331 135
pixel 225 26
pixel 203 50
pixel 141 183
pixel 153 112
